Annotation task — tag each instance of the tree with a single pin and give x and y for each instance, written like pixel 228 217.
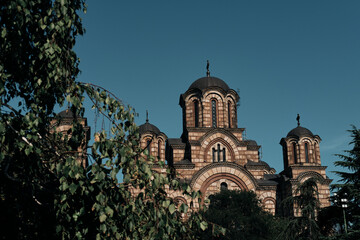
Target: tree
pixel 307 205
pixel 351 183
pixel 240 213
pixel 45 193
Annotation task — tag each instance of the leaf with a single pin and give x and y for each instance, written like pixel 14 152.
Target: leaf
pixel 184 208
pixel 73 188
pixel 3 32
pixel 109 211
pixel 172 208
pixel 203 225
pixel 102 217
pixel 166 203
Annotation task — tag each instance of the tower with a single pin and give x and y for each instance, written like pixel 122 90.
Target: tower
pixel 301 156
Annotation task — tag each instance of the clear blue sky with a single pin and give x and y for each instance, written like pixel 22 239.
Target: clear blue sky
pixel 285 57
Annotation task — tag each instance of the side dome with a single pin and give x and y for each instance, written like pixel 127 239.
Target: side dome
pixel 66 114
pixel 207 82
pixel 148 127
pixel 299 132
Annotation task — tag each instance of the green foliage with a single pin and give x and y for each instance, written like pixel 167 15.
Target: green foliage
pixel 45 191
pixel 351 183
pixel 305 200
pixel 240 214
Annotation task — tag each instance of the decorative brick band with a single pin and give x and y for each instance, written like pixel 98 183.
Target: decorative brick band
pixel 230 165
pixel 315 175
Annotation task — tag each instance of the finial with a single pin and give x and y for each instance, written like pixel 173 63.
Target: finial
pixel 298 119
pixel 207 68
pixel 147 116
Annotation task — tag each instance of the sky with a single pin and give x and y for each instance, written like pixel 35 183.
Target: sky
pixel 284 57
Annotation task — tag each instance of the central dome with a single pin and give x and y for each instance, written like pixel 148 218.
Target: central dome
pixel 207 82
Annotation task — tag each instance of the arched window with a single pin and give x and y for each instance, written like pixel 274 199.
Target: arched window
pixel 148 146
pixel 213 113
pixel 294 153
pixel 223 186
pixel 159 149
pixel 229 113
pixel 214 155
pixel 307 152
pixel 315 153
pixel 218 154
pixel 196 113
pixel 224 155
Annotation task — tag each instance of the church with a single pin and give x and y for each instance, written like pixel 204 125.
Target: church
pixel 212 154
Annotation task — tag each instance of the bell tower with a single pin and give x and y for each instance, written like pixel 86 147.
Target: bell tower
pixel 301 156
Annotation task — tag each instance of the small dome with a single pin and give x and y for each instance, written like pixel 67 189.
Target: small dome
pixel 300 132
pixel 206 82
pixel 251 142
pixel 66 114
pixel 148 127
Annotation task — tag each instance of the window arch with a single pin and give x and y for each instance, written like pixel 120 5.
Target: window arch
pixel 196 113
pixel 315 152
pixel 214 113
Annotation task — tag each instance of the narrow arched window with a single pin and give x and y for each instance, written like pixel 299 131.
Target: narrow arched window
pixel 213 154
pixel 159 149
pixel 218 152
pixel 223 186
pixel 224 155
pixel 315 153
pixel 213 113
pixel 196 113
pixel 148 146
pixel 307 152
pixel 229 113
pixel 294 152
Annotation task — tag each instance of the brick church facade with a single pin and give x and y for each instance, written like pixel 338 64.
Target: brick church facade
pixel 212 153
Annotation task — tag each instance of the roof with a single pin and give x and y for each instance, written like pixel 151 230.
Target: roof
pixel 66 114
pixel 148 127
pixel 175 141
pixel 251 142
pixel 300 132
pixel 206 82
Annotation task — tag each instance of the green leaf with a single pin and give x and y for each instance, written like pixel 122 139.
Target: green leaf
pixel 203 225
pixel 184 208
pixel 3 32
pixel 103 217
pixel 166 203
pixel 73 188
pixel 172 208
pixel 109 211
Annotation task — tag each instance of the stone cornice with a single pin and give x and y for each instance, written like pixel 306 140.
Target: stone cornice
pixel 307 167
pixel 206 129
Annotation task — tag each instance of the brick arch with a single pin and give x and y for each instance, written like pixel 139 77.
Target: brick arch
pixel 311 174
pixel 209 95
pixel 180 199
pixel 219 130
pixel 271 199
pixel 221 140
pixel 228 169
pixel 272 206
pixel 227 176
